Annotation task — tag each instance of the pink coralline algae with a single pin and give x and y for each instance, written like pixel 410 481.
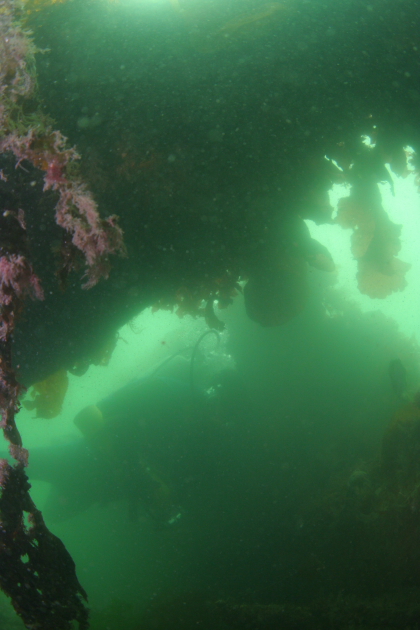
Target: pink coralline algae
pixel 76 210
pixel 17 281
pixel 20 454
pixel 36 570
pixel 17 77
pixel 77 213
pixel 33 140
pixel 4 472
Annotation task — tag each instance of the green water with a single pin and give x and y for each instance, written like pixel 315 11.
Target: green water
pixel 200 123
pixel 263 482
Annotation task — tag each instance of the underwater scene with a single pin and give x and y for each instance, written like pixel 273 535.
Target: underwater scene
pixel 209 322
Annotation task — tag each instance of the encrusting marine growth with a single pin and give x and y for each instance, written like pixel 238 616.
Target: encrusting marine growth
pixel 36 570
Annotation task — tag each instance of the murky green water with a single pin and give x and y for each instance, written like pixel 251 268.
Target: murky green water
pixel 268 476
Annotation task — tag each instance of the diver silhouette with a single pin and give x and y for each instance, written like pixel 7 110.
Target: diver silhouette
pixel 129 442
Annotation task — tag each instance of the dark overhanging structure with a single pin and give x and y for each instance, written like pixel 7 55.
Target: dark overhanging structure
pixel 208 155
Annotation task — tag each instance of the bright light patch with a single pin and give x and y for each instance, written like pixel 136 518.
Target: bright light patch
pixel 171 5
pixel 337 166
pixel 403 208
pixel 368 142
pixel 143 344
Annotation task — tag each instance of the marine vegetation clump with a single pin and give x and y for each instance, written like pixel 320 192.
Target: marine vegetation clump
pixel 36 570
pixel 197 300
pixel 27 133
pixel 46 397
pixel 76 210
pixel 375 243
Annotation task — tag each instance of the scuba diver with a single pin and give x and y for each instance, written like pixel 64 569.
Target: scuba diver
pixel 120 432
pixel 133 444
